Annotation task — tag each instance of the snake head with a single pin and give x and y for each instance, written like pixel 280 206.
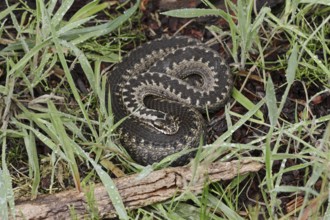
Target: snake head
pixel 168 126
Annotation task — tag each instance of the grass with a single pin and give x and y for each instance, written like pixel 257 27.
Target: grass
pixel 42 108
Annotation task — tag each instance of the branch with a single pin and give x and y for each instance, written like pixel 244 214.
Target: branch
pixel 158 186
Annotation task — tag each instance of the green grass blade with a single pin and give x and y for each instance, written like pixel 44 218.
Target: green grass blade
pixel 272 114
pixel 290 75
pixel 292 65
pixel 244 9
pixel 26 58
pixel 83 61
pixel 31 150
pixel 102 89
pixel 108 184
pixel 6 194
pixel 7 204
pixel 271 102
pixel 43 17
pixel 71 82
pixel 319 63
pixel 259 19
pixel 65 142
pixel 296 189
pixel 213 150
pixel 313 35
pixel 269 170
pixel 3 90
pixel 73 34
pixel 322 2
pixel 45 139
pixel 240 98
pixel 7 11
pixel 108 27
pixel 73 25
pixel 51 6
pixel 58 17
pixel 249 114
pixel 228 211
pixel 195 12
pixel 325 144
pixel 88 10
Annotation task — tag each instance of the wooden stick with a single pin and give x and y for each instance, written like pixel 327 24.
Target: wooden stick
pixel 158 186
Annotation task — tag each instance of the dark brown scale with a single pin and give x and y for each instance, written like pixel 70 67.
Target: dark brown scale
pixel 145 140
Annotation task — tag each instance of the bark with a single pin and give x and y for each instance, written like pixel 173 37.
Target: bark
pixel 158 186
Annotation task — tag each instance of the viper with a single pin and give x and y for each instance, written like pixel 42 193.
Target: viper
pixel 160 92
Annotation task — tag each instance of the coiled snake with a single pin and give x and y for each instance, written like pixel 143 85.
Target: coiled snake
pixel 164 87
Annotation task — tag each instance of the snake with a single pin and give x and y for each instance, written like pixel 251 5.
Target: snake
pixel 160 93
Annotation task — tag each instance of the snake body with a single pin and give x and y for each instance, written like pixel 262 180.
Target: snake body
pixel 164 87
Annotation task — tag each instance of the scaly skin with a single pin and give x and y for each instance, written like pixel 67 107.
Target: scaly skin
pixel 164 86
